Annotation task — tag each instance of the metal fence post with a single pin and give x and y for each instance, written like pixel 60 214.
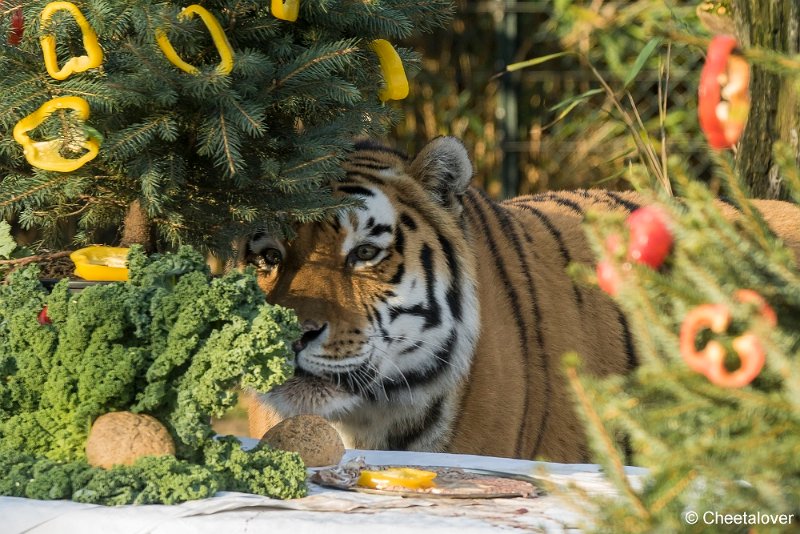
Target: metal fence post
pixel 507 110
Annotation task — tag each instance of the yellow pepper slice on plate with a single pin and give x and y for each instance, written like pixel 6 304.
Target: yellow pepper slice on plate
pixel 285 9
pixel 94 54
pixel 47 154
pixel 217 34
pixel 406 477
pixel 393 73
pixel 98 263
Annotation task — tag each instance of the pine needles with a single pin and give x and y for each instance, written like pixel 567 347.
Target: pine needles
pixel 208 156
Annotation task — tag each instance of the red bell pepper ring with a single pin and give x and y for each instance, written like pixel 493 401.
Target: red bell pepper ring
pixel 711 359
pixel 749 296
pixel 43 318
pixel 715 317
pixel 723 95
pixel 752 357
pixel 17 27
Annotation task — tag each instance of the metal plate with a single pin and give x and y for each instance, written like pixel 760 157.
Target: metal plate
pixel 536 492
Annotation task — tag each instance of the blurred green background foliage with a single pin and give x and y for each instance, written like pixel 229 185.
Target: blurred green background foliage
pixel 552 126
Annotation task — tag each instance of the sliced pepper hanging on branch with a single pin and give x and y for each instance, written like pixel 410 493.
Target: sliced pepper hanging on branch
pixel 217 34
pixel 285 9
pixel 649 242
pixel 710 360
pixel 724 93
pixel 394 75
pixel 94 54
pixel 46 155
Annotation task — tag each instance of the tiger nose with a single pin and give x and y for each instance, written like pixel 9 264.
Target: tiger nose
pixel 311 331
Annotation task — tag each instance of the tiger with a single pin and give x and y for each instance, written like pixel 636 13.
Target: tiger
pixel 435 319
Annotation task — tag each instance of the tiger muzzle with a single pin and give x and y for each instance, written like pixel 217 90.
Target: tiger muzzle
pixel 311 331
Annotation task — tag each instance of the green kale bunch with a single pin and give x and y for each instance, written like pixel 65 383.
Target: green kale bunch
pixel 172 342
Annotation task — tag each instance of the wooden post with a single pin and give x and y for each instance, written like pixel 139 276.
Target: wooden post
pixel 774 113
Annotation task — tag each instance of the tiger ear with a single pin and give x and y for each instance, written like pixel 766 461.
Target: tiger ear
pixel 444 169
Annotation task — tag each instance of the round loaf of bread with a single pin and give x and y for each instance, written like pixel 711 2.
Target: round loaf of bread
pixel 120 438
pixel 311 436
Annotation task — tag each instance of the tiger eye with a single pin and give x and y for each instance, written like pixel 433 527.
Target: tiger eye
pixel 366 252
pixel 272 256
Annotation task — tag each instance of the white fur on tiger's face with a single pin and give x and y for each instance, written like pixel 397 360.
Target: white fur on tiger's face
pixel 387 299
pixel 436 319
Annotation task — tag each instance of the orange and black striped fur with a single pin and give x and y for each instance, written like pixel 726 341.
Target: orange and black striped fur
pixel 435 318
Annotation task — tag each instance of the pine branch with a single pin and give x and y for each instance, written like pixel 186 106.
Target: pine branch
pixel 610 454
pixel 253 119
pixel 196 148
pixel 134 137
pixel 226 144
pixel 22 196
pixel 673 493
pixel 316 61
pixel 298 167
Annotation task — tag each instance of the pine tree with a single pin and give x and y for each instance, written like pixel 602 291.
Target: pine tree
pixel 196 158
pixel 709 447
pixel 713 446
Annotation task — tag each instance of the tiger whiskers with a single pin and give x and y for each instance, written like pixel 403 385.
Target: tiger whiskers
pixel 435 347
pixel 386 358
pixel 368 384
pixel 377 373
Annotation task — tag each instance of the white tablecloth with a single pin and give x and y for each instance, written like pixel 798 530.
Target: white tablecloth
pixel 327 511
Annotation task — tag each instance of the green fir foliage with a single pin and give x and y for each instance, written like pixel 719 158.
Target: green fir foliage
pixel 708 448
pixel 173 343
pixel 209 156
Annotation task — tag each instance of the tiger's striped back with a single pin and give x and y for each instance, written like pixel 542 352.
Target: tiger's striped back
pixel 533 314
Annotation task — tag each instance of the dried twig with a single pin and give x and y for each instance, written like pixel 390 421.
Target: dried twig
pixel 39 257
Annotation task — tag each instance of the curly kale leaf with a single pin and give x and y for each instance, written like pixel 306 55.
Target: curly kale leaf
pixel 17 470
pixel 151 480
pixel 41 478
pixel 7 243
pixel 24 346
pixel 91 369
pixel 248 352
pixel 265 471
pixel 172 342
pixel 155 479
pixel 163 270
pixel 58 480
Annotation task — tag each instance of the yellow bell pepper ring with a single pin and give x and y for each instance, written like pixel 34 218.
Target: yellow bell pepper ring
pixel 46 154
pixel 94 54
pixel 406 477
pixel 393 73
pixel 217 34
pixel 102 264
pixel 285 9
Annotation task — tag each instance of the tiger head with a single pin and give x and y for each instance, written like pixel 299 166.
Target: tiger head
pixel 385 294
